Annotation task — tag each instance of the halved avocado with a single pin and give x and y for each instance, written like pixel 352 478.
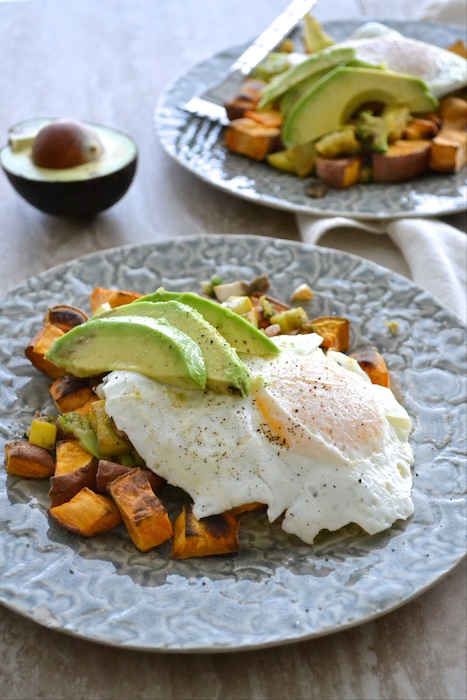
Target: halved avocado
pixel 80 191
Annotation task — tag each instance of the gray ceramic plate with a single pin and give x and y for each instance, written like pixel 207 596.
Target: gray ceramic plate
pixel 277 589
pixel 197 145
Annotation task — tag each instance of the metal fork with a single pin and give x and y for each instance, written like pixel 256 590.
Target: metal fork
pixel 210 103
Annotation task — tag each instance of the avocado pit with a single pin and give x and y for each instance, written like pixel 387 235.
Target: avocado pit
pixel 69 168
pixel 65 144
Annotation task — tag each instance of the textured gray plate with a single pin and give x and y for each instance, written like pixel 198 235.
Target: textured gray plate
pixel 198 145
pixel 276 589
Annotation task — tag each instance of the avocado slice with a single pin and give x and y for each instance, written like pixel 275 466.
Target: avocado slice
pixel 296 161
pixel 225 371
pixel 316 38
pixel 152 347
pixel 332 100
pixel 294 93
pixel 108 441
pixel 237 331
pixel 318 63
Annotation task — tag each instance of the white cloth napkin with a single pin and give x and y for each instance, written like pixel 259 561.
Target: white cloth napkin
pixel 446 12
pixel 435 252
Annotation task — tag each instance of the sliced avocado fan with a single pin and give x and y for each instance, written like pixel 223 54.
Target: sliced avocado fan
pixel 225 372
pixel 314 65
pixel 332 100
pixel 239 332
pixel 152 347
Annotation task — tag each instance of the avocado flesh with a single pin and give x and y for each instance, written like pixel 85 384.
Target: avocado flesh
pixel 331 101
pixel 322 61
pixel 151 347
pixel 293 94
pixel 296 161
pixel 225 372
pixel 236 330
pixel 316 38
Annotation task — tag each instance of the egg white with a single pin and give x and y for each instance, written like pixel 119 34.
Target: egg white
pixel 442 70
pixel 315 441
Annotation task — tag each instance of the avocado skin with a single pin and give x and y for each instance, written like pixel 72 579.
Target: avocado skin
pixel 77 200
pixel 331 101
pixel 225 372
pixel 151 347
pixel 239 332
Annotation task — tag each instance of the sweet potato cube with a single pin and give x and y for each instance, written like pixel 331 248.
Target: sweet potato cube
pixel 266 117
pixel 70 456
pixel 404 160
pixel 112 297
pixel 65 317
pixel 449 151
pixel 70 393
pixel 86 407
pixel 74 469
pixel 252 89
pixel 339 173
pixel 24 459
pixel 39 345
pixel 87 514
pixel 459 47
pixel 108 471
pixel 143 513
pixel 334 330
pixel 237 107
pixel 372 362
pixel 247 137
pixel 247 508
pixel 64 486
pixel 453 112
pixel 421 129
pixel 215 534
pixel 247 98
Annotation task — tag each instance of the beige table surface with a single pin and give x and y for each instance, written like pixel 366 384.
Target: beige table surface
pixel 107 61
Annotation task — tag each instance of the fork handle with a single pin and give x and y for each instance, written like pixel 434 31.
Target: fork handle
pixel 276 31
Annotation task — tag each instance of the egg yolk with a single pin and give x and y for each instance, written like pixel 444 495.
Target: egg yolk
pixel 313 404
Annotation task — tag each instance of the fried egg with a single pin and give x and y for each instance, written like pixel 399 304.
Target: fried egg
pixel 442 70
pixel 315 440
